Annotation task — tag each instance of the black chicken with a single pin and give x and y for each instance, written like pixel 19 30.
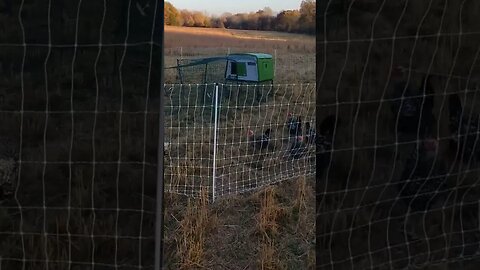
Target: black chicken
pixel 298 148
pixel 422 179
pixel 310 134
pixel 294 125
pixel 261 142
pixel 416 111
pixel 464 128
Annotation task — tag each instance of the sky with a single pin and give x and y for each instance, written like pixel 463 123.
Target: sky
pixel 217 7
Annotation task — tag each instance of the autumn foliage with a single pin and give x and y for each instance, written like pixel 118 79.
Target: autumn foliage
pixel 301 20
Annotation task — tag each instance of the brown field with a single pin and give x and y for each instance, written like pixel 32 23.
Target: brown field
pixel 295 54
pixel 174 32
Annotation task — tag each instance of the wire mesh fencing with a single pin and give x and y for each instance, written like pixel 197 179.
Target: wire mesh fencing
pixel 233 138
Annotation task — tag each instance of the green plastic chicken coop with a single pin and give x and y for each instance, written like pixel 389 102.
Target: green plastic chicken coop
pixel 238 67
pixel 249 67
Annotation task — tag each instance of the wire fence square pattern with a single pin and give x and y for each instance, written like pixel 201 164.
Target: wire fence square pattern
pixel 251 144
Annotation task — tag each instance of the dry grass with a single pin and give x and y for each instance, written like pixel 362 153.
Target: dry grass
pixel 295 54
pixel 236 34
pixel 195 225
pixel 270 213
pixel 224 38
pixel 303 192
pixel 269 259
pixel 263 225
pixel 267 222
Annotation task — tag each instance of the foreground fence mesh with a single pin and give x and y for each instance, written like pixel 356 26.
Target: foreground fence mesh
pixel 214 136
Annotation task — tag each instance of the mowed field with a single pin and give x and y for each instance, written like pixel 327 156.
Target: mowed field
pixel 294 53
pixel 268 228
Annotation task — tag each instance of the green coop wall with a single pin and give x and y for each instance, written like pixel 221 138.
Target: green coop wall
pixel 265 69
pixel 252 67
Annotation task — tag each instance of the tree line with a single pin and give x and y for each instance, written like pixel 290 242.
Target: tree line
pixel 300 20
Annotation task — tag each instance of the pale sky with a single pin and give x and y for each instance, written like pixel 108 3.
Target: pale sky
pixel 217 7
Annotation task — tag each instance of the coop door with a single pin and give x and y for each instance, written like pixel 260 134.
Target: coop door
pixel 240 71
pixel 252 73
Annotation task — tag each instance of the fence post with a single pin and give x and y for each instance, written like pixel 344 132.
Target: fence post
pixel 181 52
pixel 274 62
pixel 159 211
pixel 215 128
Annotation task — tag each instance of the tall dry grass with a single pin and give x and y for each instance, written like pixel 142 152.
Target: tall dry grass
pixel 197 222
pixel 269 259
pixel 262 225
pixel 270 213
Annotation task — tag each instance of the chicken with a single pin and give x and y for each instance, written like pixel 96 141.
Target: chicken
pixel 166 148
pixel 464 128
pixel 259 143
pixel 298 148
pixel 294 125
pixel 310 134
pixel 422 179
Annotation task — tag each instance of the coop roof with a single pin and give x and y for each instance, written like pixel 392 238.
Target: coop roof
pixel 202 61
pixel 231 57
pixel 256 55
